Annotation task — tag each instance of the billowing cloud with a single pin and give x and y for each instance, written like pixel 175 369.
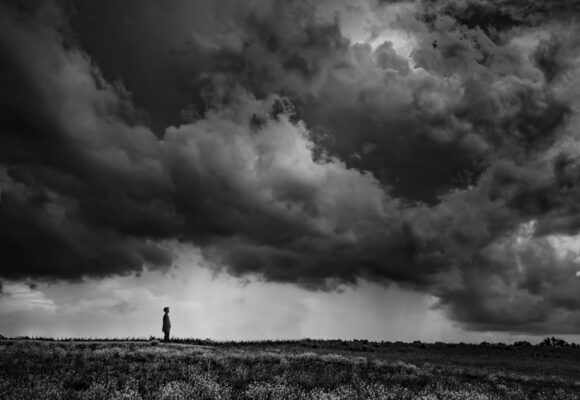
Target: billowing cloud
pixel 436 149
pixel 65 156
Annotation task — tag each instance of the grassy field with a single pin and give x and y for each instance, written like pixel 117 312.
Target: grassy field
pixel 307 369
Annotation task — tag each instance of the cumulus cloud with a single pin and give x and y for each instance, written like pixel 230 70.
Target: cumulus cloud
pixel 66 157
pixel 298 154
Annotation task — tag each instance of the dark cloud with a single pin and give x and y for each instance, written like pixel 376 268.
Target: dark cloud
pixel 113 33
pixel 57 164
pixel 359 96
pixel 496 16
pixel 555 55
pixel 262 134
pixel 184 39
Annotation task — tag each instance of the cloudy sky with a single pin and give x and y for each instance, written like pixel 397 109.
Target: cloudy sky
pixel 382 169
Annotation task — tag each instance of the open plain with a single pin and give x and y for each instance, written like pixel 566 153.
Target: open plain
pixel 305 369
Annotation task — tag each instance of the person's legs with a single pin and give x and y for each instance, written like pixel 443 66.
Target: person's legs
pixel 166 338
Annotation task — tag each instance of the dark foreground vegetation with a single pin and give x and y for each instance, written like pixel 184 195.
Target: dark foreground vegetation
pixel 306 369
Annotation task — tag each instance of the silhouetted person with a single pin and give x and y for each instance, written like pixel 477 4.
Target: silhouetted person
pixel 166 324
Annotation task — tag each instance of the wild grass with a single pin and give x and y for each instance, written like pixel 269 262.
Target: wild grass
pixel 34 369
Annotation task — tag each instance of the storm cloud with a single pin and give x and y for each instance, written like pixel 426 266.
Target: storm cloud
pixel 436 149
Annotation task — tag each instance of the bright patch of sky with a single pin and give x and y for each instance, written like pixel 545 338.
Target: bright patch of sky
pixel 208 305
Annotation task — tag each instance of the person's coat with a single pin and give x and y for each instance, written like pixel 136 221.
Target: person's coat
pixel 166 323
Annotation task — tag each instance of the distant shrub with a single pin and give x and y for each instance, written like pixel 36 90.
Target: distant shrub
pixel 420 344
pixel 553 342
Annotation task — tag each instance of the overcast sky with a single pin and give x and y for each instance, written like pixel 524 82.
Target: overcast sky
pixel 380 169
